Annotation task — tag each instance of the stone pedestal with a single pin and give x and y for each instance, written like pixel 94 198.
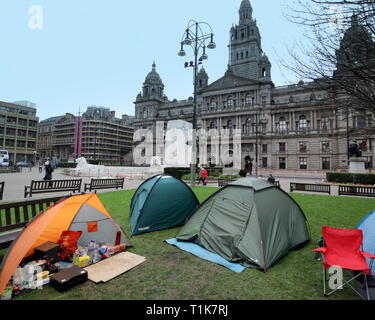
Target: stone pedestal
pixel 357 165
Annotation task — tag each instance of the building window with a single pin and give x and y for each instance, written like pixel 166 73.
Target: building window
pixel 248 99
pixel 303 124
pixel 213 104
pixel 326 163
pixel 282 126
pixel 265 162
pixel 251 148
pixel 324 124
pixel 264 100
pixel 303 147
pixel 326 146
pixel 361 122
pixel 248 127
pixel 230 102
pixel 282 163
pixel 265 148
pixel 303 163
pixel 282 147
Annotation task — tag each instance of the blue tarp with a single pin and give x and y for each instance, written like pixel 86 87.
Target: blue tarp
pixel 367 225
pixel 202 253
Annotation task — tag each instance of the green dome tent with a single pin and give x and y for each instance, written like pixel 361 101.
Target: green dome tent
pixel 250 221
pixel 161 202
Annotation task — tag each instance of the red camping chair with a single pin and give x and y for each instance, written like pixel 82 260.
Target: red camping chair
pixel 343 249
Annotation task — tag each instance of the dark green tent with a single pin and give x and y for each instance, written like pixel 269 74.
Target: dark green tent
pixel 161 202
pixel 250 221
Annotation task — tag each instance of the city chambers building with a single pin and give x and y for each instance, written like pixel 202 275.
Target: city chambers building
pixel 295 129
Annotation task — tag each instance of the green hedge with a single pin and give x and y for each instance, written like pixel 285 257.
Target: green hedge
pixel 354 178
pixel 181 172
pixel 67 165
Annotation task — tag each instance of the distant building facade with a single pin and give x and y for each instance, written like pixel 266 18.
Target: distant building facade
pixel 18 131
pixel 293 129
pixel 96 135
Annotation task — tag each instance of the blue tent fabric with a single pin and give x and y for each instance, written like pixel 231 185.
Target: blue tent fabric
pixel 367 225
pixel 202 253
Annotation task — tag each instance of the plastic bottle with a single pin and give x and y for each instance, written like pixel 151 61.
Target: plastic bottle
pixel 91 250
pixel 18 278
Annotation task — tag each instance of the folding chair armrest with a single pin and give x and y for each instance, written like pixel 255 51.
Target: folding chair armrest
pixel 322 250
pixel 368 255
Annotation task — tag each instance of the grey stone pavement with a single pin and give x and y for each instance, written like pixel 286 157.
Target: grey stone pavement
pixel 15 183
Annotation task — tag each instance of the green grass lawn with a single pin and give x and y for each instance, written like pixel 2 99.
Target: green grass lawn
pixel 170 273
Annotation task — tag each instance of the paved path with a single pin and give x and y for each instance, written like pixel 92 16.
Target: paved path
pixel 15 184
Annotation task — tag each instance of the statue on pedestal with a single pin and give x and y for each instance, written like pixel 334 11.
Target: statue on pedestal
pixel 354 150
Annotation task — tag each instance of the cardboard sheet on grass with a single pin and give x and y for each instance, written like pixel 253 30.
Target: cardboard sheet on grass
pixel 113 267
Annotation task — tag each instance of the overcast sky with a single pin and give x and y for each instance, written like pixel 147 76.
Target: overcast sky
pixel 95 52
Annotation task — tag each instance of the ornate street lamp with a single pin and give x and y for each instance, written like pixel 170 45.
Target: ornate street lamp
pixel 196 37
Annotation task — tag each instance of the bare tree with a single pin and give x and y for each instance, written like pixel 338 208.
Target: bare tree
pixel 340 52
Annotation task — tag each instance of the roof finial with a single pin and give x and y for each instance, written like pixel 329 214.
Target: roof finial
pixel 154 66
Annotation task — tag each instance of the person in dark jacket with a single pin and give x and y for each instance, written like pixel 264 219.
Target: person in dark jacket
pixel 49 170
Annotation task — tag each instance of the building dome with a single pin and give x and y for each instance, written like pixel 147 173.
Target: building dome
pixel 153 78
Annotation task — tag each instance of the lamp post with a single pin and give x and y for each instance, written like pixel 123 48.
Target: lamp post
pixel 195 37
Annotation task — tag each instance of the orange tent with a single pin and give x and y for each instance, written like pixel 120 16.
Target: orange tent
pixel 84 213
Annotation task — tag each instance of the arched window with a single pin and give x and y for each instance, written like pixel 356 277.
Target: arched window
pixel 145 113
pixel 264 72
pixel 241 55
pixel 230 102
pixel 212 125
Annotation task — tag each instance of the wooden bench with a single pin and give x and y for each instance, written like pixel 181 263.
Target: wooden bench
pixel 105 184
pixel 2 185
pixel 224 182
pixel 319 188
pixel 357 191
pixel 14 216
pixel 53 186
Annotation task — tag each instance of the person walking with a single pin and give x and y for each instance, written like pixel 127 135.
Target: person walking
pixel 40 167
pixel 203 176
pixel 49 170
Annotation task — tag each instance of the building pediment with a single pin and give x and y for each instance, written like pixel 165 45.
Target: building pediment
pixel 229 81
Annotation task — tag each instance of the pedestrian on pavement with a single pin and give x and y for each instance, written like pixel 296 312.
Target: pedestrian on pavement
pixel 40 167
pixel 49 170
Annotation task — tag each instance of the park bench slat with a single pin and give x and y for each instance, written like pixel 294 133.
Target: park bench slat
pixel 25 213
pixel 17 214
pixel 8 217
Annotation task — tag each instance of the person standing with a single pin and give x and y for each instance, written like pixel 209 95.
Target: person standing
pixel 49 170
pixel 40 167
